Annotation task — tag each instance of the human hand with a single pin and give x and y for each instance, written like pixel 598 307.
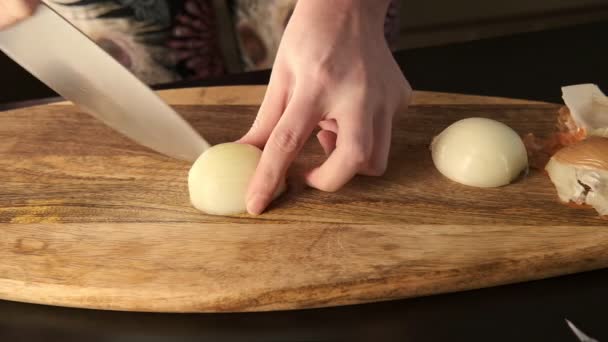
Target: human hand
pixel 333 69
pixel 13 11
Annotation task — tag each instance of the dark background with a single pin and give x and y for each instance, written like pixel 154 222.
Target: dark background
pixel 531 66
pixel 527 66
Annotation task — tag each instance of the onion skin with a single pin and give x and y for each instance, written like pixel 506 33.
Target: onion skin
pixel 579 173
pixel 575 156
pixel 540 150
pixel 591 153
pixel 584 115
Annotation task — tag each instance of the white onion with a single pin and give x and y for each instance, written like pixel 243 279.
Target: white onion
pixel 219 178
pixel 479 152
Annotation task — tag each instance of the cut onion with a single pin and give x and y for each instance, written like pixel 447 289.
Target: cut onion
pixel 479 152
pixel 219 178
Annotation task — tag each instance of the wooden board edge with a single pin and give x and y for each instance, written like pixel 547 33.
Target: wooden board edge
pixel 369 291
pixel 391 287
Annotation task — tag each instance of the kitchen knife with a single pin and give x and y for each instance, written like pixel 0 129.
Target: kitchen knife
pixel 579 334
pixel 67 61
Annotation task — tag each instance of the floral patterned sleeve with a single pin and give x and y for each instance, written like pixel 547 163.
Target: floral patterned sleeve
pixel 164 41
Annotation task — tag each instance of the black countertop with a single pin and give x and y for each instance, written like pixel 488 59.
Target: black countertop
pixel 530 66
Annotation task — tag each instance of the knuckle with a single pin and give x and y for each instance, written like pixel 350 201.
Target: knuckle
pixel 359 154
pixel 287 140
pixel 363 75
pixel 269 179
pixel 266 181
pixel 321 76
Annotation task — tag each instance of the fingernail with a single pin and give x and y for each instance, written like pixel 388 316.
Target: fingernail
pixel 256 205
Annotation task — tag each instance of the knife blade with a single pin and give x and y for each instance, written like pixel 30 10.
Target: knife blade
pixel 579 334
pixel 67 61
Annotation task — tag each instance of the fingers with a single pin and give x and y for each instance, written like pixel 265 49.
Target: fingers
pixel 378 161
pixel 357 144
pixel 328 135
pixel 13 11
pixel 284 143
pixel 353 151
pixel 327 139
pixel 269 114
pixel 329 125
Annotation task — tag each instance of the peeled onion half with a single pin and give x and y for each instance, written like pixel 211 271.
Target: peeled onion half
pixel 479 152
pixel 580 173
pixel 219 178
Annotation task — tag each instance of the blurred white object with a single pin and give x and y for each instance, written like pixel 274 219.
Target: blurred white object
pixel 581 335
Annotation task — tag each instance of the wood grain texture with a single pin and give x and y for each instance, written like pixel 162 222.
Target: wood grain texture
pixel 90 219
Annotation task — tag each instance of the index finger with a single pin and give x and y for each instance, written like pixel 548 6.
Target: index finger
pixel 285 142
pixel 353 149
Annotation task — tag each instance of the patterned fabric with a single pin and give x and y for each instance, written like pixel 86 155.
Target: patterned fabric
pixel 163 41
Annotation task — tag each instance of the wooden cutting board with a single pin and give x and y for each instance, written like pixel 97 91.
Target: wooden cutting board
pixel 90 219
